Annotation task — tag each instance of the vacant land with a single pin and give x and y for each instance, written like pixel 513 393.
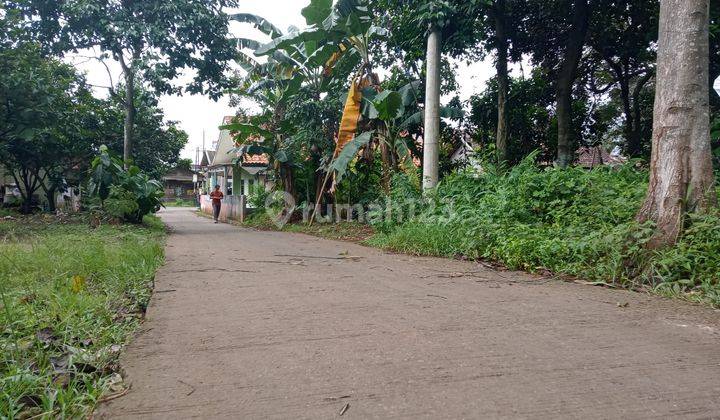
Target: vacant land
pixel 72 294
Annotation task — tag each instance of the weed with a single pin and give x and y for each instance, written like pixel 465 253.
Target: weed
pixel 71 294
pixel 573 221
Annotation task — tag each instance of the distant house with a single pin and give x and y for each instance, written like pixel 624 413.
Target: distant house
pixel 592 157
pixel 234 176
pixel 207 157
pixel 8 190
pixel 180 183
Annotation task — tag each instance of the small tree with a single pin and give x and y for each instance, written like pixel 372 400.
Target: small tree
pixel 47 115
pixel 681 172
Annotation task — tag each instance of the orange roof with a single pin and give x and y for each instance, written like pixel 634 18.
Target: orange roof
pixel 255 159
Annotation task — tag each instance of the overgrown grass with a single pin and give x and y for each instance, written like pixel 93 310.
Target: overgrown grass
pixel 180 202
pixel 574 222
pixel 71 296
pixel 344 231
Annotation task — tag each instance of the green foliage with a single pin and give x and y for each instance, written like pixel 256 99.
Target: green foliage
pixel 349 153
pixel 258 197
pixel 157 142
pixel 70 293
pixel 573 221
pixel 405 199
pixel 121 202
pixel 128 193
pixel 154 39
pixel 48 120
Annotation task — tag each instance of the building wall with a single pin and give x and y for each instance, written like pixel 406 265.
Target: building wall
pixel 179 189
pixel 233 207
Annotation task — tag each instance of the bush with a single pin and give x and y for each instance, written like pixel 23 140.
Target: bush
pixel 120 202
pixel 258 196
pixel 124 194
pixel 572 221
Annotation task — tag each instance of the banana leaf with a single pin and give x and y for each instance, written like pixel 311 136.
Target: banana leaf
pixel 341 162
pixel 262 24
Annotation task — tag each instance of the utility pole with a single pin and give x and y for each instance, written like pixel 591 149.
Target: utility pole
pixel 431 134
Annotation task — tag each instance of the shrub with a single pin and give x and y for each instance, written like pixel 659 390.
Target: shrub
pixel 572 221
pixel 258 196
pixel 125 194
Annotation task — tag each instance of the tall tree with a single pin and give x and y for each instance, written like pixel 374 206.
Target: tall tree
pixel 157 142
pixel 622 37
pixel 499 15
pixel 47 121
pixel 152 40
pixel 566 80
pixel 681 173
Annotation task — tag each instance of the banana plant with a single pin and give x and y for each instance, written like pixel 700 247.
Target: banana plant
pixel 393 112
pixel 341 35
pixel 301 61
pixel 272 85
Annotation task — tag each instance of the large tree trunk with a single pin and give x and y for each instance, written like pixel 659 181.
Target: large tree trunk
pixel 431 134
pixel 566 81
pixel 681 173
pixel 501 66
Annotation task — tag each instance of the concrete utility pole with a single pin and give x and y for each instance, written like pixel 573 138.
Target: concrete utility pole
pixel 431 135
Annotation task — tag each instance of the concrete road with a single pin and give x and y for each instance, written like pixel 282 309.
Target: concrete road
pixel 255 325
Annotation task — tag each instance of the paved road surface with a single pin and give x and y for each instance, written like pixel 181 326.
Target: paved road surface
pixel 247 324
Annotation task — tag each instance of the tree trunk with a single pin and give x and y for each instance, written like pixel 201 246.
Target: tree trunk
pixel 635 139
pixel 50 196
pixel 129 111
pixel 431 134
pixel 501 66
pixel 288 180
pixel 681 173
pixel 27 184
pixel 566 81
pixel 631 142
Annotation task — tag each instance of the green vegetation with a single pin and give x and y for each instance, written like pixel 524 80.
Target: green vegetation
pixel 567 221
pixel 124 194
pixel 72 295
pixel 180 202
pixel 343 231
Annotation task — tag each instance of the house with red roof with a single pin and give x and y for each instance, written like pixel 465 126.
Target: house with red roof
pixel 235 175
pixel 238 176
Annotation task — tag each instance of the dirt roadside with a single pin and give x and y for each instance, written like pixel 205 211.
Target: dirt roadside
pixel 250 324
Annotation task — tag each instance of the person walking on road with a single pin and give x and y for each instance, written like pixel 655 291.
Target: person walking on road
pixel 217 197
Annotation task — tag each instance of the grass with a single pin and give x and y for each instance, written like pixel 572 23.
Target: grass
pixel 572 222
pixel 343 231
pixel 180 203
pixel 72 295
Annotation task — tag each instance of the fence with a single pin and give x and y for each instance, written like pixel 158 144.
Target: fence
pixel 234 207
